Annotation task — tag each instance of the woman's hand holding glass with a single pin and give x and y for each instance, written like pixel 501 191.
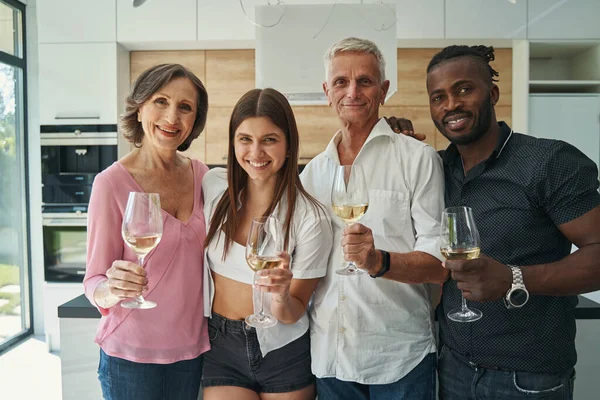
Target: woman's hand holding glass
pixel 126 279
pixel 276 281
pixel 142 230
pixel 263 253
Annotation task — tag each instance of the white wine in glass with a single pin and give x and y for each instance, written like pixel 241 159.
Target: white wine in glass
pixel 350 201
pixel 142 230
pixel 459 240
pixel 265 242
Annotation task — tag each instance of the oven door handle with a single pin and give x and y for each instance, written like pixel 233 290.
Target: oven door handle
pixel 64 222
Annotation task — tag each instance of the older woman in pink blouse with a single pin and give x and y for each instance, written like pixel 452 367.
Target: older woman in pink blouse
pixel 155 353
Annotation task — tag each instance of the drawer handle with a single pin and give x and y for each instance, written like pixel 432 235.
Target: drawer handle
pixel 59 116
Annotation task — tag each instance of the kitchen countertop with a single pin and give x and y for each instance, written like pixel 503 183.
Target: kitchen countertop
pixel 80 307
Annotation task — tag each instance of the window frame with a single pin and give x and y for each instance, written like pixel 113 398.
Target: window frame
pixel 20 62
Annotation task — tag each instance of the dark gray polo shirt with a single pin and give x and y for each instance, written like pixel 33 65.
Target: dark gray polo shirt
pixel 519 195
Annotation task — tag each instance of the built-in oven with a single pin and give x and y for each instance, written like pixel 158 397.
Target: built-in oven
pixel 65 246
pixel 72 156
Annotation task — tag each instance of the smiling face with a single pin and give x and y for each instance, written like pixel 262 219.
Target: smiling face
pixel 260 148
pixel 461 100
pixel 168 116
pixel 354 87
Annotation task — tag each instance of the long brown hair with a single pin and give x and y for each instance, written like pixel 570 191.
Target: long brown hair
pixel 271 104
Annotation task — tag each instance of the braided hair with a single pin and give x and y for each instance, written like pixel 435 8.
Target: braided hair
pixel 482 55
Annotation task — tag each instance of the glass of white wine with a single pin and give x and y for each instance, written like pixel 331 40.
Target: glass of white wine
pixel 265 242
pixel 142 230
pixel 350 201
pixel 459 240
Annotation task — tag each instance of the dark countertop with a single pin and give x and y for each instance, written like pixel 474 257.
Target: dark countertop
pixel 80 307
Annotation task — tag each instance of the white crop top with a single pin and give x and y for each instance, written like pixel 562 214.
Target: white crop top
pixel 309 246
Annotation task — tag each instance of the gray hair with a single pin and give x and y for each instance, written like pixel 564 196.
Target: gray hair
pixel 358 45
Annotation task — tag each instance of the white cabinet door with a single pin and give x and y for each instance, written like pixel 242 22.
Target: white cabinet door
pixel 560 19
pixel 476 19
pixel 156 21
pixel 574 119
pixel 76 21
pixel 78 83
pixel 423 19
pixel 225 20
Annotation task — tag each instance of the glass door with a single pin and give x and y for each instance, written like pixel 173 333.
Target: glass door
pixel 15 296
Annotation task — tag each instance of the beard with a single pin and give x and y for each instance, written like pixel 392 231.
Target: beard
pixel 480 126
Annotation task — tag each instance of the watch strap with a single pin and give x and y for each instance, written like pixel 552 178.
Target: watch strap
pixel 385 264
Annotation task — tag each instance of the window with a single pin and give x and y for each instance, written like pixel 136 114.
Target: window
pixel 15 292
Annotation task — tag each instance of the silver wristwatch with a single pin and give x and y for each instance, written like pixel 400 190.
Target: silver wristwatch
pixel 517 295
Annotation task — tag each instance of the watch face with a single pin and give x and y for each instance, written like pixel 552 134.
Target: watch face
pixel 518 297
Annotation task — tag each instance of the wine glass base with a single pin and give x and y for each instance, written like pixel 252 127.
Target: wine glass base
pixel 136 304
pixel 257 321
pixel 468 315
pixel 350 271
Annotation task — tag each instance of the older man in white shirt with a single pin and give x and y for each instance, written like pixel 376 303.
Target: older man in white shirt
pixel 372 334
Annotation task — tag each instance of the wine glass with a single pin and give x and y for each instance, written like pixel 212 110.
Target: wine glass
pixel 142 230
pixel 265 242
pixel 350 200
pixel 459 240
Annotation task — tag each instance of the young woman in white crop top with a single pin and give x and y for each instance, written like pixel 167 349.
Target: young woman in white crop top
pixel 261 179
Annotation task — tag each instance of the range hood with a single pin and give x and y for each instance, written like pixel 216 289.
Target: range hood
pixel 289 54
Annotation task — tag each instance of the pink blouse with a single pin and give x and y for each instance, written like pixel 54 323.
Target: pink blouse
pixel 176 329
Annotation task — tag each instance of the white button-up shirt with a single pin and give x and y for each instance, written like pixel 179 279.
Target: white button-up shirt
pixel 375 331
pixel 309 247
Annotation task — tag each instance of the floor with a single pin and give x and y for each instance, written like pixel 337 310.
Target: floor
pixel 30 372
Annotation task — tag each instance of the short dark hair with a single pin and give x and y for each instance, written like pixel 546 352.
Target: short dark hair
pixel 148 83
pixel 480 54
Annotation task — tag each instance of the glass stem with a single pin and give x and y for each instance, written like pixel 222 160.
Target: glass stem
pixel 464 307
pixel 261 313
pixel 140 298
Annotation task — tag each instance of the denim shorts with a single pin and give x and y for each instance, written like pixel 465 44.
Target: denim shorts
pixel 235 359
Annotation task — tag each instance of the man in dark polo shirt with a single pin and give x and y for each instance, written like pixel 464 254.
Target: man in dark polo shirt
pixel 531 198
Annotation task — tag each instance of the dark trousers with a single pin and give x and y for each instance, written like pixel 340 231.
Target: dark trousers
pixel 461 380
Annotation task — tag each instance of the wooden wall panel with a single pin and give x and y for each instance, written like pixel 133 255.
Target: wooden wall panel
pixel 503 64
pixel 412 73
pixel 229 74
pixel 316 127
pixel 194 60
pixel 217 138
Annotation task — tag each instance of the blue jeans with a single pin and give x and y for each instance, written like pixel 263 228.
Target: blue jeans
pixel 419 384
pixel 461 380
pixel 126 380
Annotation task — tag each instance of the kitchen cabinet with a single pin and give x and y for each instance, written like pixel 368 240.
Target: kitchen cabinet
pixel 76 21
pixel 55 294
pixel 224 20
pixel 560 19
pixel 78 83
pixel 156 21
pixel 422 19
pixel 573 118
pixel 476 19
